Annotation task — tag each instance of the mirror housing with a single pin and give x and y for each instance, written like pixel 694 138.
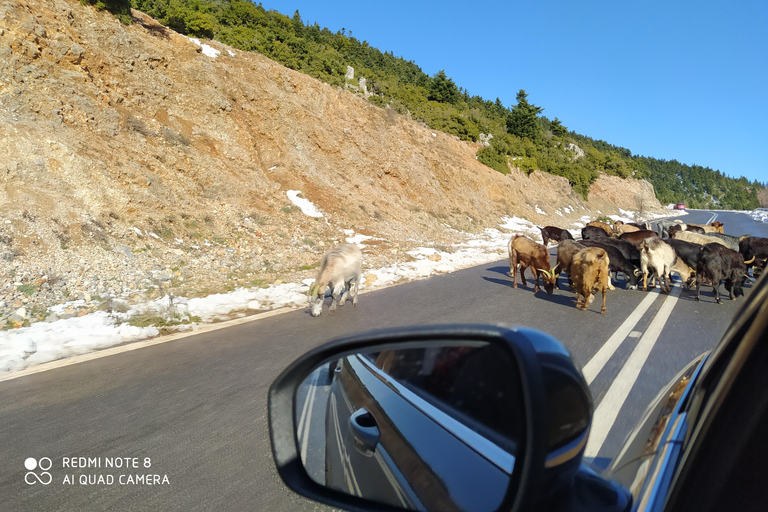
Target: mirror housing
pixel 557 402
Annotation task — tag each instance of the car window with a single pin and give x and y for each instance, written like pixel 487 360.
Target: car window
pixel 470 383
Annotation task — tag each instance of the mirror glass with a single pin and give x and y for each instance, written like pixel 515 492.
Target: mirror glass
pixel 422 427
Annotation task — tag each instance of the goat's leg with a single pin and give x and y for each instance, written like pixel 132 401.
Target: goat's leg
pixel 345 295
pixel 699 278
pixel 338 287
pixel 357 289
pixel 522 275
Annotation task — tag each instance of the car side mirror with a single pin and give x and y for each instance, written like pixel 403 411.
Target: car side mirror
pixel 457 417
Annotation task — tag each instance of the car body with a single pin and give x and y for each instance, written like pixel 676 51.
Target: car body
pixel 680 206
pixel 702 439
pixel 394 415
pixel 700 445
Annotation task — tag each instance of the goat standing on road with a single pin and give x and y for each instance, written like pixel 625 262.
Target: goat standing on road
pixel 659 258
pixel 566 250
pixel 590 273
pixel 340 269
pixel 554 233
pixel 528 253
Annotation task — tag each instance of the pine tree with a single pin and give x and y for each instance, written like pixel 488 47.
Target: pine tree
pixel 523 118
pixel 298 25
pixel 558 130
pixel 443 89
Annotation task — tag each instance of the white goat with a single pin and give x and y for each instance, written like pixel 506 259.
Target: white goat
pixel 659 257
pixel 339 269
pixel 698 238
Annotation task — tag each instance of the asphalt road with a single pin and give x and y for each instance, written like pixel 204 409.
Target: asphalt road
pixel 194 409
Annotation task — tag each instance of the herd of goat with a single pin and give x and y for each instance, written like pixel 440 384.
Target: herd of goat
pixel 697 253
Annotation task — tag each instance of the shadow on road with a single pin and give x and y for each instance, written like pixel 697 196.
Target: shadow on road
pixel 499 270
pixel 504 282
pixel 563 298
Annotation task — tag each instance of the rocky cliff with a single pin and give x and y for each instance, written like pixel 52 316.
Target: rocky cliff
pixel 137 161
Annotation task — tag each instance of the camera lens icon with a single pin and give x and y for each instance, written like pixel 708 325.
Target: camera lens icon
pixel 44 464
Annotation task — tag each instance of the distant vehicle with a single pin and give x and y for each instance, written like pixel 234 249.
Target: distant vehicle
pixel 680 206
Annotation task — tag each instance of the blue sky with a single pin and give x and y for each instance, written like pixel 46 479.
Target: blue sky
pixel 678 80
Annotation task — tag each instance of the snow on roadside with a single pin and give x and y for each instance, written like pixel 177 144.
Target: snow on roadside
pixel 43 341
pixel 760 215
pixel 48 341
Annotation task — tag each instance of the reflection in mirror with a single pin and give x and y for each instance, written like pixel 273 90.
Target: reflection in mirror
pixel 431 427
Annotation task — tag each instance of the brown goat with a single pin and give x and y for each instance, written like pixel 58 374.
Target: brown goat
pixel 712 227
pixel 590 273
pixel 636 237
pixel 619 228
pixel 565 253
pixel 608 229
pixel 528 253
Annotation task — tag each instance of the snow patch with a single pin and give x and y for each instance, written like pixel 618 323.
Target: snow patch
pixel 760 214
pixel 208 50
pixel 307 208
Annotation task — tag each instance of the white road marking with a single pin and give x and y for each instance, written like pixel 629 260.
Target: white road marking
pixel 346 463
pixel 606 413
pixel 598 361
pixel 396 487
pixel 306 417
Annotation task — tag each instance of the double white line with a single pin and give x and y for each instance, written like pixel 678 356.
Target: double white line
pixel 606 413
pixel 302 431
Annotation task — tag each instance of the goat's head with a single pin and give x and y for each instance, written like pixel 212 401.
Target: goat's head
pixel 316 297
pixel 633 277
pixel 734 286
pixel 760 265
pixel 550 278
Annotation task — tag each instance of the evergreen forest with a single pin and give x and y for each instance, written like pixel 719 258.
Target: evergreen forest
pixel 520 135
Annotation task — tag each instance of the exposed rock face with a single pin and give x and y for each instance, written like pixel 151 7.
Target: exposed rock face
pixel 485 139
pixel 577 151
pixel 634 195
pixel 762 196
pixel 135 161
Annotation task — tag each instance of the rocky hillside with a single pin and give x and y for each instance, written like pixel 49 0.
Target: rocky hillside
pixel 137 161
pixel 762 196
